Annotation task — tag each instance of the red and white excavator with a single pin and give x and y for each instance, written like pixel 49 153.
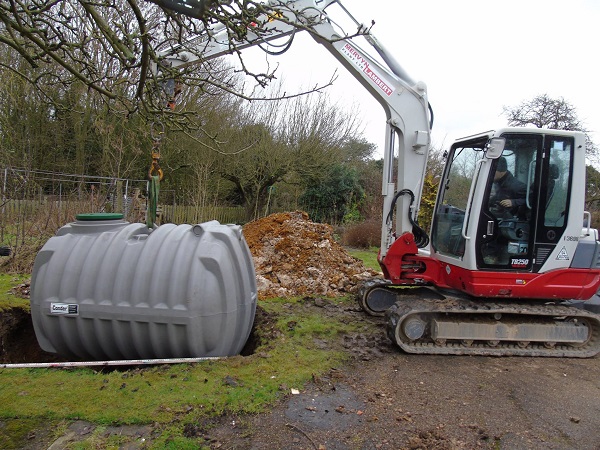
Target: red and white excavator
pixel 510 240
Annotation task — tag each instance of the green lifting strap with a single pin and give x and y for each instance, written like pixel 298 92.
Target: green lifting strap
pixel 152 201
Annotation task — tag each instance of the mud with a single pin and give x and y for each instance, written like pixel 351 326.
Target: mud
pixel 386 399
pixel 18 343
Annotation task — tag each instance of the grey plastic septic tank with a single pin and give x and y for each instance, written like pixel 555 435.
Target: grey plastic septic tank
pixel 107 289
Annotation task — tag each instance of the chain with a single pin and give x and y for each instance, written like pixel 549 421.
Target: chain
pixel 155 173
pixel 155 169
pixel 167 96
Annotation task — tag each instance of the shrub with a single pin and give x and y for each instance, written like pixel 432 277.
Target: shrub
pixel 363 235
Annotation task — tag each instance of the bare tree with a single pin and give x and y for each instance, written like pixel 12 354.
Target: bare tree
pixel 300 137
pixel 545 112
pixel 68 41
pixel 110 46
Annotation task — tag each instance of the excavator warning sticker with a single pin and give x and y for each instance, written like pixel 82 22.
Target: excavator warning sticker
pixel 563 255
pixel 356 58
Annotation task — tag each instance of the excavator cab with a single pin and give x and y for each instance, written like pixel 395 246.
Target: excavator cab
pixel 508 246
pixel 516 211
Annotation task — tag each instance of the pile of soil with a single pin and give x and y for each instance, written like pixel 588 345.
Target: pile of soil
pixel 294 256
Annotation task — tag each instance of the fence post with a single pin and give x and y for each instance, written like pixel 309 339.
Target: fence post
pixel 3 203
pixel 59 203
pixel 126 202
pixel 4 189
pixel 119 196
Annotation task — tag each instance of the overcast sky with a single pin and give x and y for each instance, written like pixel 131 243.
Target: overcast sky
pixel 475 57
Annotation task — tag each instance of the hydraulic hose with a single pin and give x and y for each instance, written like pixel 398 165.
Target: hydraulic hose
pixel 421 237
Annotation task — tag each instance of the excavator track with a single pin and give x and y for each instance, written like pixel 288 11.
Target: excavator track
pixel 465 327
pixel 376 296
pixel 446 324
pixel 369 300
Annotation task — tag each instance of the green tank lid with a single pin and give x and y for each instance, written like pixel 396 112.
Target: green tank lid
pixel 99 216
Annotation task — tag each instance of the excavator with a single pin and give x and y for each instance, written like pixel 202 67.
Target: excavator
pixel 510 241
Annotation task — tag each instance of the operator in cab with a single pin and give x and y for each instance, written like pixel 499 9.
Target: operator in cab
pixel 508 192
pixel 506 203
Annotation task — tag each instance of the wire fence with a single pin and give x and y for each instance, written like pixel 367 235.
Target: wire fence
pixel 34 201
pixel 50 199
pixel 34 204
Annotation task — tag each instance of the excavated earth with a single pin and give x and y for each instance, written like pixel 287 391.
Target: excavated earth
pixel 294 256
pixel 383 398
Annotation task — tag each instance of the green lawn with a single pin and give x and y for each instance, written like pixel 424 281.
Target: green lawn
pixel 287 357
pixel 7 298
pixel 368 257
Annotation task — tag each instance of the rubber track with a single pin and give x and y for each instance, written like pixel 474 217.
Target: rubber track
pixel 363 292
pixel 410 305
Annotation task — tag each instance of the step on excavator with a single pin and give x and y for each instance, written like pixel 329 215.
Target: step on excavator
pixel 510 241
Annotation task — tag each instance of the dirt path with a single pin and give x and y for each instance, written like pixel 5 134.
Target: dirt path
pixel 398 401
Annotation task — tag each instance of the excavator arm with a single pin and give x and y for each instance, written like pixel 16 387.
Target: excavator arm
pixel 408 118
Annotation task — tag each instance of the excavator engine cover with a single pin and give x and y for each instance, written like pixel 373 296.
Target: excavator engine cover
pixel 107 289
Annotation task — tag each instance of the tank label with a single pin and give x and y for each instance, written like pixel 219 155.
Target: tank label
pixel 64 308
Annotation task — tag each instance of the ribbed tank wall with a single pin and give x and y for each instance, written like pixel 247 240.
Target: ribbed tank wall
pixel 109 289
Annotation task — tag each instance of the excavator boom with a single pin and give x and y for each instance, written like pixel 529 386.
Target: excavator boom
pixel 408 114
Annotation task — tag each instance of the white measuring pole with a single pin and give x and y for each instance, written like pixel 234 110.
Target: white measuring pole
pixel 124 362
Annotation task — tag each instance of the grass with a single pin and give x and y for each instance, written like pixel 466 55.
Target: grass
pixel 368 257
pixel 180 394
pixel 7 298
